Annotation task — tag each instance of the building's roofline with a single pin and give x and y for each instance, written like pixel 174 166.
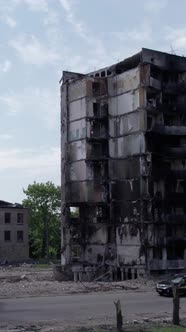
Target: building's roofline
pixel 4 204
pixel 146 55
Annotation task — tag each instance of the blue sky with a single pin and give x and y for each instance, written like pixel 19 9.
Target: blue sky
pixel 39 39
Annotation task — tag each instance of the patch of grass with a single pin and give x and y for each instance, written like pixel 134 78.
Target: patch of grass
pixel 170 329
pixel 41 266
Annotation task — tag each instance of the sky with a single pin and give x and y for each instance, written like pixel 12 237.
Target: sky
pixel 41 38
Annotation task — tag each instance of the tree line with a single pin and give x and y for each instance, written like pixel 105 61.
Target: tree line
pixel 44 203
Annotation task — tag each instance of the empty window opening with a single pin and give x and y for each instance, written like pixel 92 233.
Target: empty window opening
pixel 103 74
pixel 7 217
pixel 175 250
pixel 97 75
pixel 96 109
pixel 109 72
pixel 149 122
pixel 19 236
pixel 129 274
pixel 74 212
pixel 7 236
pixel 109 234
pixel 157 253
pixel 104 110
pixel 95 89
pixel 20 218
pixel 76 252
pixel 97 172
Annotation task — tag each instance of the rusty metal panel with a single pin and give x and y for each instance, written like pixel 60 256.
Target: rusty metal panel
pixel 127 124
pixel 77 130
pixel 124 169
pixel 127 146
pixel 77 109
pixel 125 103
pixel 76 150
pixel 124 82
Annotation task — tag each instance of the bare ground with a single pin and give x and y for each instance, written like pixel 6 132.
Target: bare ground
pixel 32 281
pixel 29 281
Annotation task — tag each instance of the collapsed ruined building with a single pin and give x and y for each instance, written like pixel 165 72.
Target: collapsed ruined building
pixel 123 154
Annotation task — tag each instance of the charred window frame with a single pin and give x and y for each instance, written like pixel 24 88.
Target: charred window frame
pixel 7 217
pixel 157 253
pixel 7 236
pixel 95 89
pixel 20 236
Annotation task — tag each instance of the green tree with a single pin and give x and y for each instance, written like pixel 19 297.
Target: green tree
pixel 44 201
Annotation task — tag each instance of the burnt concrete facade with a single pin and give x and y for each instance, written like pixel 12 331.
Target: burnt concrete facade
pixel 123 165
pixel 14 223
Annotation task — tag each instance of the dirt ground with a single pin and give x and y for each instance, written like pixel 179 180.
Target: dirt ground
pixel 29 281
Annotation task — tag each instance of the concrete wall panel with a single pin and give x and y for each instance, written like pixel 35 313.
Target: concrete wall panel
pixel 125 103
pixel 127 124
pixel 77 150
pixel 77 130
pixel 77 109
pixel 127 146
pixel 124 82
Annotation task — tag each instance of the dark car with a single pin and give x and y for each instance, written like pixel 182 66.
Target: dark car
pixel 164 288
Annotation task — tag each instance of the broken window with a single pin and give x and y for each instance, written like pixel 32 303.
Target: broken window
pixel 20 218
pixel 95 89
pixel 19 236
pixel 76 252
pixel 74 212
pixel 157 253
pixel 7 236
pixel 96 109
pixel 7 217
pixel 175 250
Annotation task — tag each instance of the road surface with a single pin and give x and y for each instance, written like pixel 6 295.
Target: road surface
pixel 88 308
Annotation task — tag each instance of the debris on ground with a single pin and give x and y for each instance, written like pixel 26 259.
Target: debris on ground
pixel 33 281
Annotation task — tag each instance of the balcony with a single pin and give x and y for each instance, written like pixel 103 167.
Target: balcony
pixel 158 264
pixel 169 130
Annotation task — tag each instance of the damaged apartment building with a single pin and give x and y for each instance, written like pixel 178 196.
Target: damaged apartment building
pixel 123 155
pixel 14 242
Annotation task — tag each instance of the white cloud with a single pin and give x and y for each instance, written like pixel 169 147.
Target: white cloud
pixel 37 5
pixel 32 51
pixel 42 103
pixel 5 66
pixel 78 25
pixel 176 37
pixel 30 160
pixel 5 137
pixel 143 33
pixel 9 21
pixel 155 5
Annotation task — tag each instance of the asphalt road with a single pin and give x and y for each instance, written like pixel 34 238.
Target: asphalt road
pixel 87 308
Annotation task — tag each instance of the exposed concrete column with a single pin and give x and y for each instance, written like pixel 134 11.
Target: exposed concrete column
pixel 122 273
pixel 164 258
pixel 132 273
pixel 126 273
pixel 185 258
